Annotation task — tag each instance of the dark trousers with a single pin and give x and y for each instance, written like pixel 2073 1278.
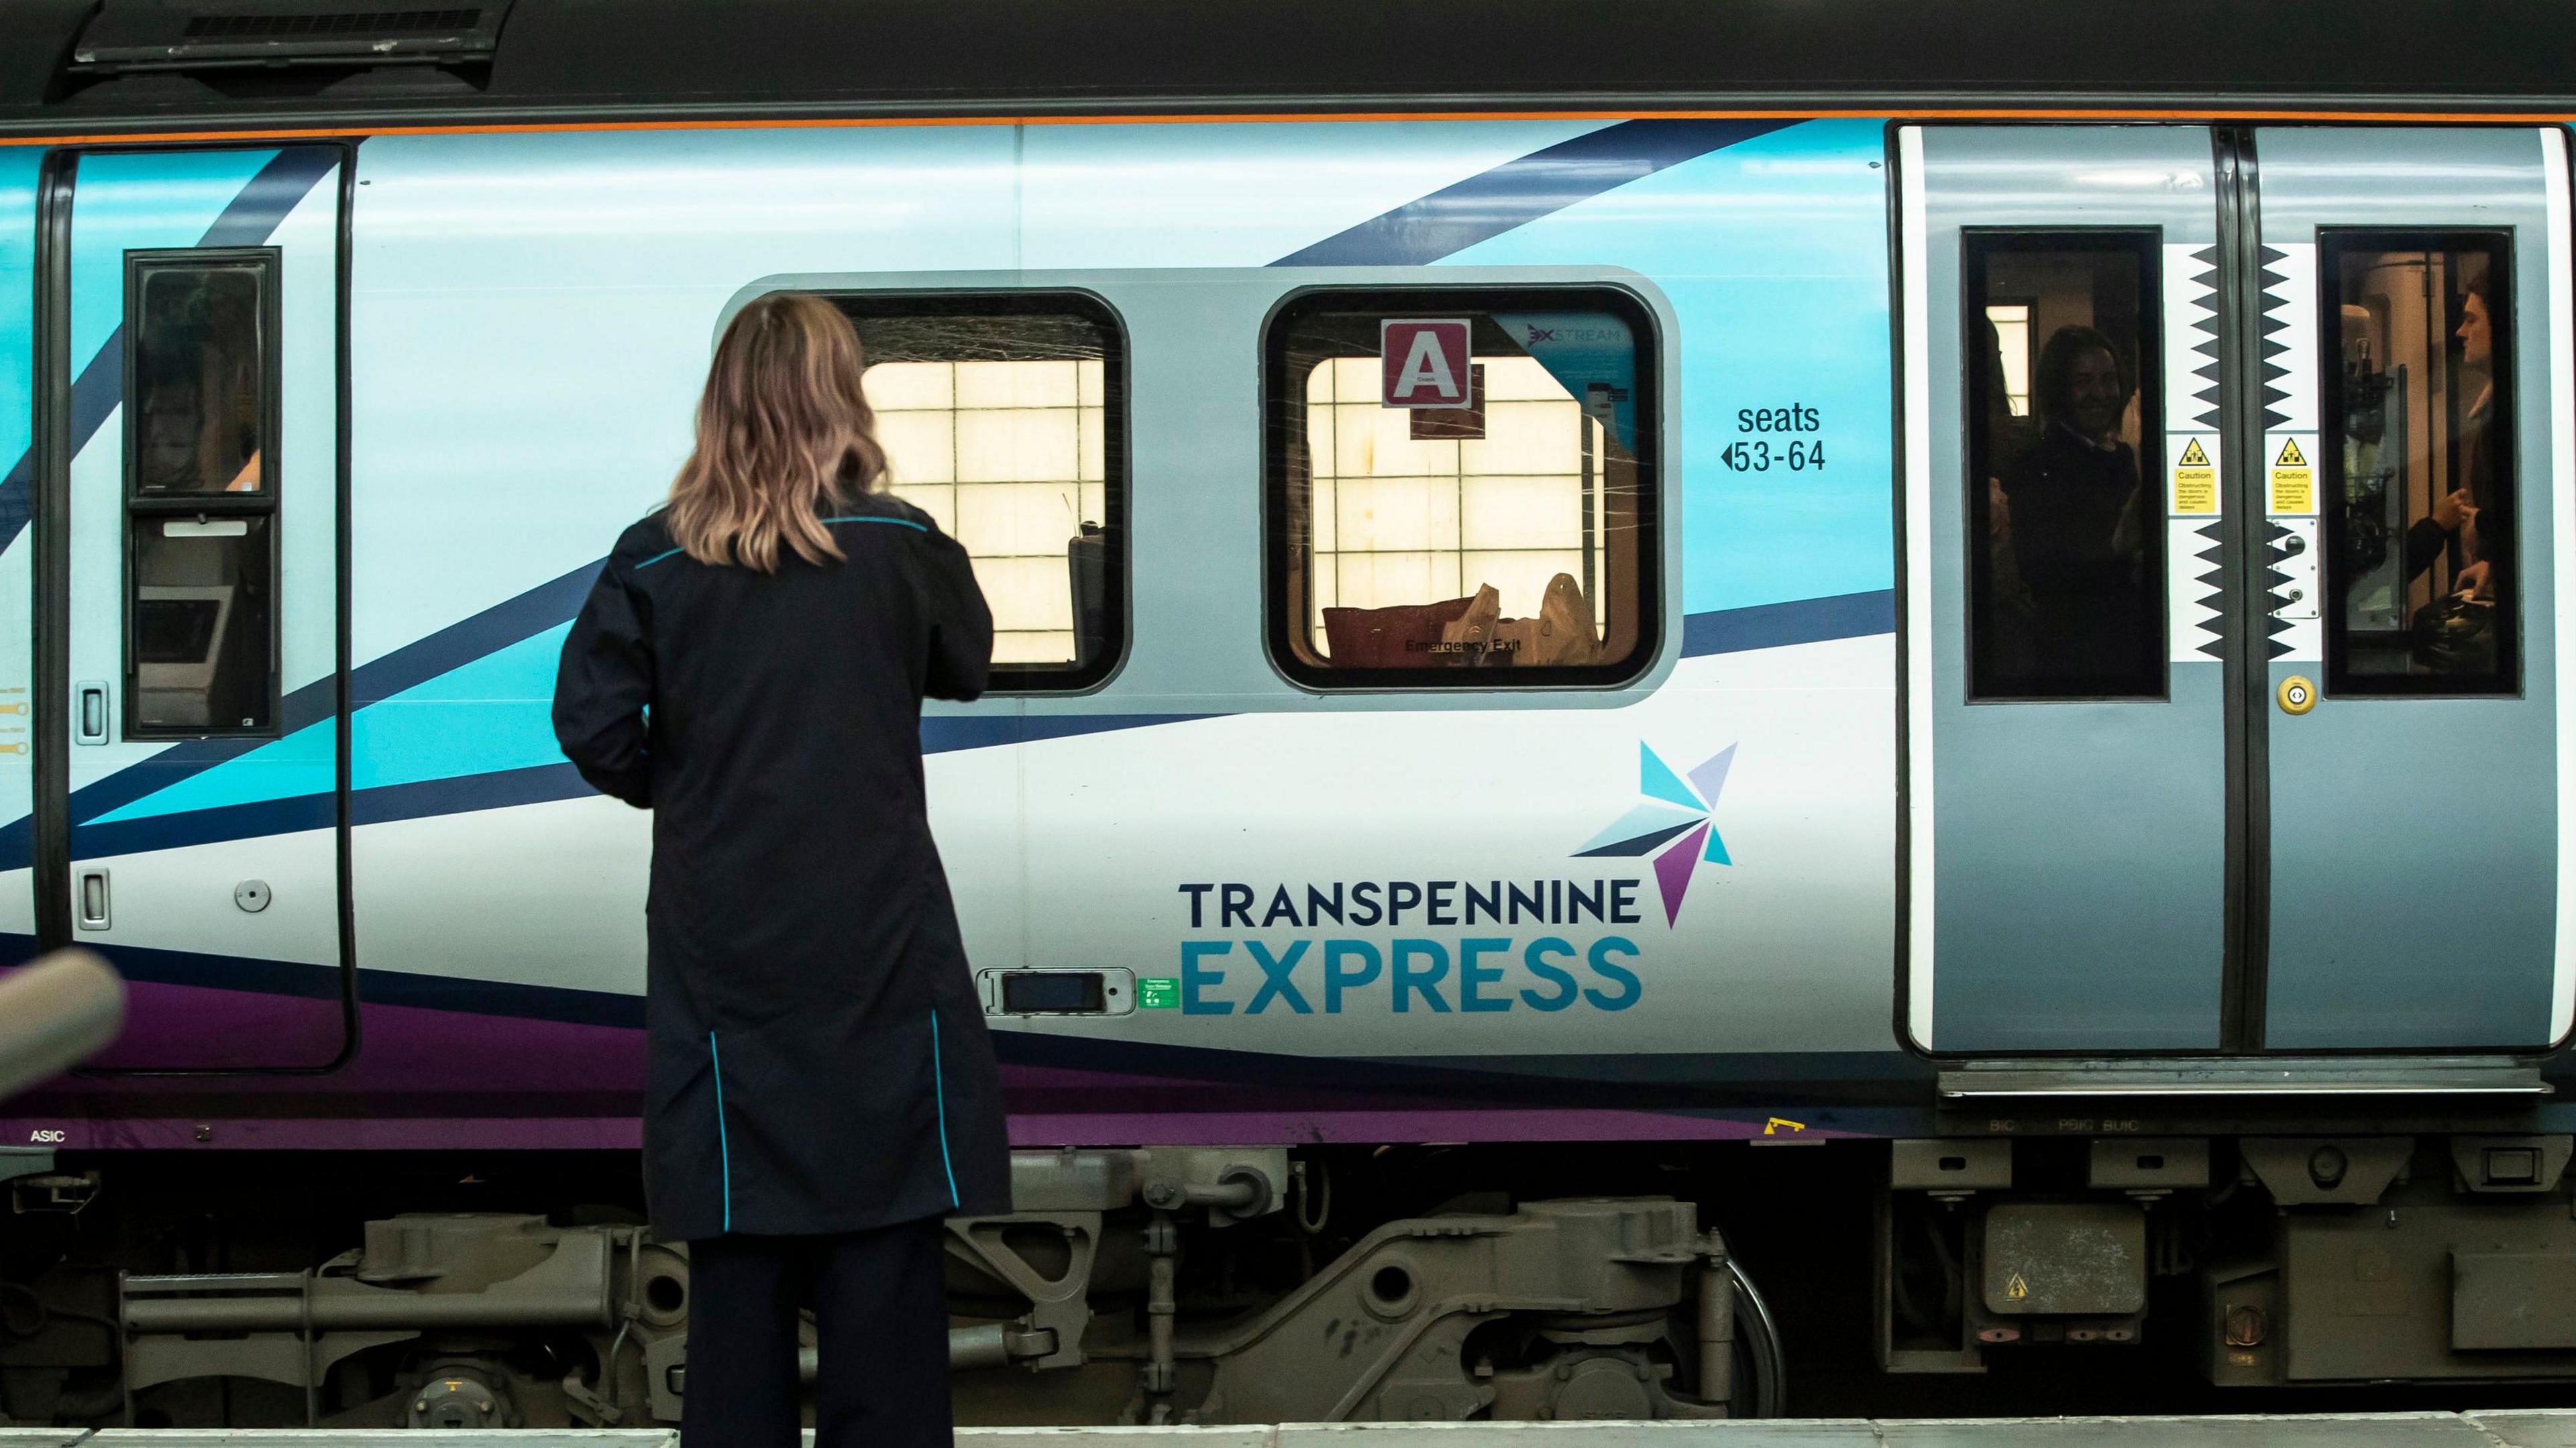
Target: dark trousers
pixel 881 1317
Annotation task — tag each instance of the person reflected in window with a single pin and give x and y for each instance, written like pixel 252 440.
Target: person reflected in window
pixel 820 1091
pixel 2076 528
pixel 2004 611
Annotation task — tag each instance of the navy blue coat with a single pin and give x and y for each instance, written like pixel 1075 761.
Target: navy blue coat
pixel 818 1059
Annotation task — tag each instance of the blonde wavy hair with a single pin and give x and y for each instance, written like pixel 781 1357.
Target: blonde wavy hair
pixel 784 433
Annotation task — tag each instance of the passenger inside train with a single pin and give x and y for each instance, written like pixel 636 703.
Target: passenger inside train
pixel 2420 531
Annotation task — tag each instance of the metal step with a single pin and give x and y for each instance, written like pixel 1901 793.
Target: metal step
pixel 2245 1076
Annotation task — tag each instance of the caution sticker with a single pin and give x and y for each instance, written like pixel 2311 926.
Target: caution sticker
pixel 2195 477
pixel 2294 477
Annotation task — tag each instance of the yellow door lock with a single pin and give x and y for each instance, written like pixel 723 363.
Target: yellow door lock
pixel 2297 695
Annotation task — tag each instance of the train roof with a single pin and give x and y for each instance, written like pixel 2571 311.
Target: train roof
pixel 105 67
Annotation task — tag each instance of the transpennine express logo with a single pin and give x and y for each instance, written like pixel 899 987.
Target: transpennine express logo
pixel 1423 948
pixel 1671 822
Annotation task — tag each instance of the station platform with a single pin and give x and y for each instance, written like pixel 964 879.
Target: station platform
pixel 2517 1429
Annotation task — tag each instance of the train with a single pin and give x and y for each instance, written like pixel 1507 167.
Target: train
pixel 1686 697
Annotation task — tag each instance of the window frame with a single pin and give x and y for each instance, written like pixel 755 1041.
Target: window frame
pixel 1976 245
pixel 265 504
pixel 1117 597
pixel 1280 391
pixel 2333 243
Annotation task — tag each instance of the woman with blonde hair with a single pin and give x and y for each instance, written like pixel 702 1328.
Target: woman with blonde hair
pixel 820 1089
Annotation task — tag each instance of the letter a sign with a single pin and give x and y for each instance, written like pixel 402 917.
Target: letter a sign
pixel 1423 363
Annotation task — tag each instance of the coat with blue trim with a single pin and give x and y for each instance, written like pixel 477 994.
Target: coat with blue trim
pixel 818 1059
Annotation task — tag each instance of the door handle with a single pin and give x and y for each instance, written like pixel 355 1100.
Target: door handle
pixel 89 712
pixel 90 900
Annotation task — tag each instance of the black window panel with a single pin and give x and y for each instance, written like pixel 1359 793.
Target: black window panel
pixel 202 633
pixel 2421 594
pixel 2065 498
pixel 201 373
pixel 203 35
pixel 1511 543
pixel 1054 992
pixel 1004 415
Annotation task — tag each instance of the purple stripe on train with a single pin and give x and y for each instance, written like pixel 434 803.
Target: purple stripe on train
pixel 1142 1128
pixel 558 1085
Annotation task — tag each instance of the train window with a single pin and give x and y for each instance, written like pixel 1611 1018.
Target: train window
pixel 1003 417
pixel 2420 592
pixel 201 499
pixel 1461 488
pixel 202 625
pixel 2065 507
pixel 202 385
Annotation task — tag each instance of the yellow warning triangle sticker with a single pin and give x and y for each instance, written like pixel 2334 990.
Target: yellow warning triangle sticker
pixel 2290 456
pixel 2192 456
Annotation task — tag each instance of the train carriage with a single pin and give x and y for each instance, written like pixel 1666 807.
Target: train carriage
pixel 1618 590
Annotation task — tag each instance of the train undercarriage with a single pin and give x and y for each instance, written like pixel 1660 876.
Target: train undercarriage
pixel 1216 1285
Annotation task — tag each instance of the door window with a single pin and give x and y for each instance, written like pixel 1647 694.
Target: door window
pixel 201 627
pixel 2066 518
pixel 2420 595
pixel 202 373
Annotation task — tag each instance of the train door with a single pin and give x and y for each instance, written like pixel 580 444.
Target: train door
pixel 2229 521
pixel 2412 330
pixel 2073 894
pixel 193 525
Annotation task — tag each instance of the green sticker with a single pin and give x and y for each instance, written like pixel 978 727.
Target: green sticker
pixel 1159 993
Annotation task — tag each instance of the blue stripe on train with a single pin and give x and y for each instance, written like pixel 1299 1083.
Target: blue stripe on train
pixel 1521 191
pixel 1778 625
pixel 207 810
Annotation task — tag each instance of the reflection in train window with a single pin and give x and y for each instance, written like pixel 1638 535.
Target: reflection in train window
pixel 2065 503
pixel 204 627
pixel 2012 348
pixel 1500 533
pixel 2418 547
pixel 201 388
pixel 1002 417
pixel 202 492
